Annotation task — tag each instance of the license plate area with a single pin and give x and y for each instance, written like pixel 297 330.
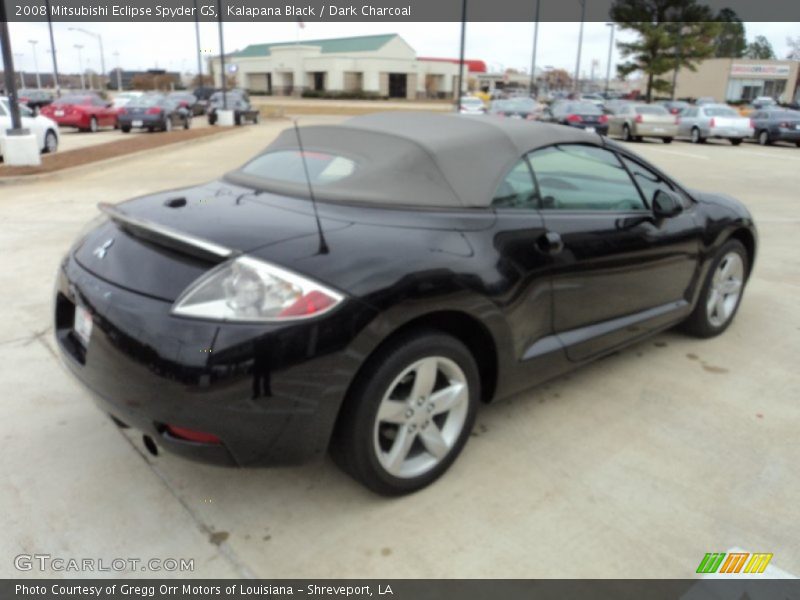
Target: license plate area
pixel 59 113
pixel 137 123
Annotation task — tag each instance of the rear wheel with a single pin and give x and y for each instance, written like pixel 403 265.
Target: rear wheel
pixel 125 128
pixel 626 133
pixel 736 141
pixel 409 415
pixel 722 292
pixel 667 140
pixel 50 142
pixel 696 137
pixel 93 125
pixel 763 138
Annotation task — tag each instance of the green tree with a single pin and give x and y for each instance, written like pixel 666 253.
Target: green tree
pixel 670 32
pixel 759 48
pixel 731 41
pixel 794 48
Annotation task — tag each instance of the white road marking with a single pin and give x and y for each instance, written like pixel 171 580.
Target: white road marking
pixel 770 155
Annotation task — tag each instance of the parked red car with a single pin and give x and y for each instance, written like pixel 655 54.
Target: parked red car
pixel 87 112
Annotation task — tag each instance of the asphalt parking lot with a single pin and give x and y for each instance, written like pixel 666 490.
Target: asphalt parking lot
pixel 635 466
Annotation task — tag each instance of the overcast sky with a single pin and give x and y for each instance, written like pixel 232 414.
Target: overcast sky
pixel 172 45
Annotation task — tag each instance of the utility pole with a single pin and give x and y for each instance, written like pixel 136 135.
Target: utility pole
pixel 457 95
pixel 222 57
pixel 80 64
pixel 199 51
pixel 99 39
pixel 580 46
pixel 119 72
pixel 53 50
pixel 18 56
pixel 608 65
pixel 533 56
pixel 36 64
pixel 8 75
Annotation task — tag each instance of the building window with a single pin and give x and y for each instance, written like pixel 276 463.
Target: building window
pixel 748 89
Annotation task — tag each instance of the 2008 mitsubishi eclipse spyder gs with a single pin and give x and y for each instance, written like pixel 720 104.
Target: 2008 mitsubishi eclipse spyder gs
pixel 363 287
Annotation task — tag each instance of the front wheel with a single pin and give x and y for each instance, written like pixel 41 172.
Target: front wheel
pixel 93 125
pixel 696 137
pixel 409 414
pixel 50 142
pixel 763 138
pixel 125 128
pixel 722 292
pixel 626 133
pixel 667 140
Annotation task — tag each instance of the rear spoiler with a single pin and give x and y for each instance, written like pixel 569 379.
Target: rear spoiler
pixel 166 236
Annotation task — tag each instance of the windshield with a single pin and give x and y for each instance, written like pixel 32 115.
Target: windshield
pixel 521 104
pixel 287 165
pixel 582 108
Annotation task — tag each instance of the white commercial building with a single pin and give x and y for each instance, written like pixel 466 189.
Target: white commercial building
pixel 382 65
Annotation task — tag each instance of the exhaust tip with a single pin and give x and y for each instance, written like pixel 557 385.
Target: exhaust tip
pixel 150 445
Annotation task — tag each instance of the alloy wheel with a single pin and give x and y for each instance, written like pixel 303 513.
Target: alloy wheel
pixel 93 125
pixel 695 136
pixel 763 138
pixel 50 142
pixel 421 417
pixel 725 289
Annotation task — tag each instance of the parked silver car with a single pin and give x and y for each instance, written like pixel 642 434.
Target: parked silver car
pixel 636 120
pixel 699 123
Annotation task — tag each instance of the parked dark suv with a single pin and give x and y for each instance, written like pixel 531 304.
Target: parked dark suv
pixel 238 102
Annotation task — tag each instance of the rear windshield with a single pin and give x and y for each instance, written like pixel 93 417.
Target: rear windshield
pixel 471 101
pixel 721 112
pixel 522 104
pixel 583 108
pixel 287 165
pixel 147 101
pixel 651 110
pixel 74 100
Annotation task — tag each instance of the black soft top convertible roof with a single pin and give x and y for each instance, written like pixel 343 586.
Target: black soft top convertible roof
pixel 418 159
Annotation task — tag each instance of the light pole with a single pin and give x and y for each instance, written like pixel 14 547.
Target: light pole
pixel 119 72
pixel 533 55
pixel 580 46
pixel 222 58
pixel 35 64
pixel 457 95
pixel 199 52
pixel 53 50
pixel 608 65
pixel 99 39
pixel 78 47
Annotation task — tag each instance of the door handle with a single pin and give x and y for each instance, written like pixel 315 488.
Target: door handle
pixel 550 242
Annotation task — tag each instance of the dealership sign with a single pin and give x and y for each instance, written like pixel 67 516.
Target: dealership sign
pixel 768 70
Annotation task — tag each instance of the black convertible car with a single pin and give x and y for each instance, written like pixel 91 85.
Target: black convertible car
pixel 364 287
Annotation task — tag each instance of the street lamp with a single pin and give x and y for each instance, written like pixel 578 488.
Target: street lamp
pixel 580 45
pixel 99 39
pixel 78 47
pixel 199 51
pixel 53 50
pixel 608 65
pixel 18 56
pixel 35 64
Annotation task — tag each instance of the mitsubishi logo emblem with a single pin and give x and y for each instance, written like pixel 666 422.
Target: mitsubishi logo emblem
pixel 100 251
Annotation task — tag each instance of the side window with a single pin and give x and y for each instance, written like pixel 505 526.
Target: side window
pixel 690 112
pixel 576 177
pixel 2 110
pixel 517 190
pixel 648 181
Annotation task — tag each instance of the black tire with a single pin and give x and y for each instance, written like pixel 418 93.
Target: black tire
pixel 797 144
pixel 50 142
pixel 353 444
pixel 237 118
pixel 626 133
pixel 696 137
pixel 736 141
pixel 667 140
pixel 125 128
pixel 763 138
pixel 698 323
pixel 212 118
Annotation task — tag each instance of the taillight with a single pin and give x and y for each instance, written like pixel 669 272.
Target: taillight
pixel 154 111
pixel 191 435
pixel 574 118
pixel 713 122
pixel 674 111
pixel 638 118
pixel 530 118
pixel 782 125
pixel 308 304
pixel 122 111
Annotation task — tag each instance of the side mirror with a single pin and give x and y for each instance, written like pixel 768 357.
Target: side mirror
pixel 666 204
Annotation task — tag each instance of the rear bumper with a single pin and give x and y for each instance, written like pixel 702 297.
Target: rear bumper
pixel 143 121
pixel 661 131
pixel 601 128
pixel 270 393
pixel 786 135
pixel 729 133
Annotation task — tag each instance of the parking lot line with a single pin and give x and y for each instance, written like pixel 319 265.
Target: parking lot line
pixel 771 155
pixel 679 153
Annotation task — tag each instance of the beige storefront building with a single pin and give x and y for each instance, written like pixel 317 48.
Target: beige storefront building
pixel 734 79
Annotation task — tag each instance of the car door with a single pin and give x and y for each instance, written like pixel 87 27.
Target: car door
pixel 687 121
pixel 617 272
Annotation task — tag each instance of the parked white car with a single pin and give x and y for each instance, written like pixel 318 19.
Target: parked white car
pixel 471 105
pixel 699 123
pixel 45 130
